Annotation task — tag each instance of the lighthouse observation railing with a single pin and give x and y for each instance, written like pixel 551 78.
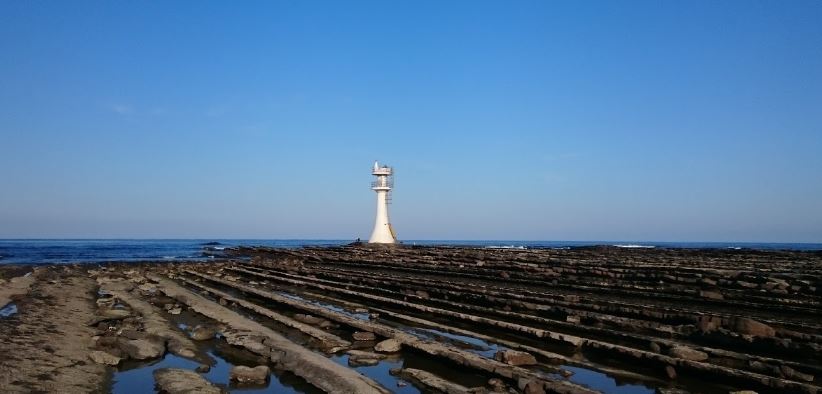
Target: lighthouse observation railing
pixel 389 183
pixel 384 170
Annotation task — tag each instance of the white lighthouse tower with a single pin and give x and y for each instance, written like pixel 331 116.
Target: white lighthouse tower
pixel 383 232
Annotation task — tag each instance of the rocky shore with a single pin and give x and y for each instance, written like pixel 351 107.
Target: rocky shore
pixel 442 319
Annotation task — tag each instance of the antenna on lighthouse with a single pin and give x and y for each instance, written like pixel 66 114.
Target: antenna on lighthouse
pixel 383 232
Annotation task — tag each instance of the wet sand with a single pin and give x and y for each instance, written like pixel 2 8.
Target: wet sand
pixel 420 319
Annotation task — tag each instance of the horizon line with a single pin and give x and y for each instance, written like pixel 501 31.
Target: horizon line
pixel 402 241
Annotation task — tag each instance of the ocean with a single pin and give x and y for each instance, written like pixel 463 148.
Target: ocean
pixel 50 251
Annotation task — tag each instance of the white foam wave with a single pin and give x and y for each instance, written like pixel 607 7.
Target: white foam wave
pixel 635 246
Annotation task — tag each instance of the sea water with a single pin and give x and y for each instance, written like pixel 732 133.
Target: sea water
pixel 49 251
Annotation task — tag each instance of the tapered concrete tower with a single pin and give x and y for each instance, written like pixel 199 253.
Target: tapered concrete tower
pixel 383 232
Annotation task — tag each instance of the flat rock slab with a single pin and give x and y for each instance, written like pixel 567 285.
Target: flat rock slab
pixel 362 362
pixel 154 322
pixel 142 349
pixel 243 374
pixel 308 319
pixel 432 348
pixel 108 315
pixel 203 333
pixel 46 346
pixel 363 354
pixel 329 342
pixel 183 381
pixel 514 357
pixel 687 353
pixel 105 358
pixel 314 368
pixel 359 358
pixel 15 287
pixel 388 346
pixel 435 383
pixel 364 336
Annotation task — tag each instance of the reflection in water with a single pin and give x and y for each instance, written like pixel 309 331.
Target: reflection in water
pixel 602 382
pixel 8 310
pixel 380 374
pixel 138 377
pixel 141 379
pixel 332 307
pixel 473 345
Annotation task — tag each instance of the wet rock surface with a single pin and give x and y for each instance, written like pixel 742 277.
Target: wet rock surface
pixel 364 336
pixel 388 346
pixel 513 357
pixel 104 315
pixel 46 346
pixel 515 320
pixel 282 352
pixel 105 358
pixel 15 286
pixel 182 381
pixel 142 349
pixel 203 333
pixel 707 314
pixel 359 356
pixel 255 375
pixel 434 383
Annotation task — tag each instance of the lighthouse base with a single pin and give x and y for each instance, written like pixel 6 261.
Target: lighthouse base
pixel 382 235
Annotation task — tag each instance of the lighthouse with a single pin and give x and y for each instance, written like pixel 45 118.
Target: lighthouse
pixel 383 232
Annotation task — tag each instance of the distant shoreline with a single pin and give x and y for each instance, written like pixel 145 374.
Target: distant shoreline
pixel 40 252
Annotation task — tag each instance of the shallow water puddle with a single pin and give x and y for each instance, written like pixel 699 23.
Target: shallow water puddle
pixel 137 377
pixel 602 382
pixel 335 308
pixel 8 310
pixel 140 379
pixel 380 374
pixel 590 378
pixel 463 338
pixel 464 342
pixel 473 345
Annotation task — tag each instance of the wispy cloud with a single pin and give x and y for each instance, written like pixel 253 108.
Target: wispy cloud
pixel 121 109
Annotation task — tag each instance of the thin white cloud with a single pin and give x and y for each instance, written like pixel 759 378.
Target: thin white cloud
pixel 122 109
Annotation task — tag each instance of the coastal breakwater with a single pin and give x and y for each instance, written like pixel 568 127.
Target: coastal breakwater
pixel 361 319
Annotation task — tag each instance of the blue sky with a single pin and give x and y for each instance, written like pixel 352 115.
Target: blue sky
pixel 593 120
